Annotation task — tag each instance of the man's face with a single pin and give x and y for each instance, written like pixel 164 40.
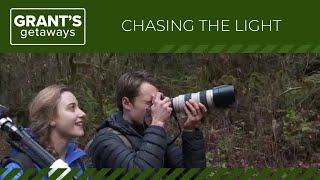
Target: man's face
pixel 136 109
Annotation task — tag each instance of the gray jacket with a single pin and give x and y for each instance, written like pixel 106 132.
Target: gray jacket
pixel 149 147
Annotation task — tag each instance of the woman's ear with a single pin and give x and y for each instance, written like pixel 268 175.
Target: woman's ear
pixel 126 104
pixel 52 123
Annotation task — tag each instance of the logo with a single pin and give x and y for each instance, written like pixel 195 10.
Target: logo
pixel 47 26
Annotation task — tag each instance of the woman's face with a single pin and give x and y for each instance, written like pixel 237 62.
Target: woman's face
pixel 69 118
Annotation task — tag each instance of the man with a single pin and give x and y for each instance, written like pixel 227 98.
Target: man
pixel 136 136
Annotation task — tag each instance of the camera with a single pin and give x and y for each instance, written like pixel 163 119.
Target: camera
pixel 220 97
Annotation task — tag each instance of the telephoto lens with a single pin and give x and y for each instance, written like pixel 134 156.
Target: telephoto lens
pixel 220 97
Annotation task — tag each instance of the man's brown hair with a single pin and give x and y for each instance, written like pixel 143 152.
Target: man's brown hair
pixel 129 84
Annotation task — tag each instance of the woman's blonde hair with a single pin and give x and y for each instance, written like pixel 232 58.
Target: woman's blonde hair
pixel 42 110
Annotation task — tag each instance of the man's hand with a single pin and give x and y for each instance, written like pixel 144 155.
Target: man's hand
pixel 195 112
pixel 160 110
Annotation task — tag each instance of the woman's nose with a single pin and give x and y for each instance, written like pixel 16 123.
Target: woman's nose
pixel 81 113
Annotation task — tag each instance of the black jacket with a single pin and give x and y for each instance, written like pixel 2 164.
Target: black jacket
pixel 149 147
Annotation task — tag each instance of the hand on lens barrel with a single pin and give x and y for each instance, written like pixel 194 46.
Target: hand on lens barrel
pixel 195 112
pixel 160 110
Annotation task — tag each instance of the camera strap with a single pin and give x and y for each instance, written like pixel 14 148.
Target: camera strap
pixel 179 126
pixel 145 125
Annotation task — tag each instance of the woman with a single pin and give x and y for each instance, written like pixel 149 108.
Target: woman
pixel 56 120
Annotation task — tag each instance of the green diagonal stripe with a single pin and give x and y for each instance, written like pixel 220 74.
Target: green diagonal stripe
pixel 2 170
pixel 72 173
pixel 317 176
pixel 310 172
pixel 251 48
pixel 234 48
pixel 101 173
pixel 166 48
pixel 160 173
pixel 234 173
pixel 131 173
pixel 175 173
pixel 56 174
pixel 316 49
pixel 41 174
pixel 268 48
pixel 204 173
pixel 200 49
pixel 278 173
pixel 217 48
pixel 293 173
pixel 302 49
pixel 116 173
pixel 263 174
pixel 190 173
pixel 248 174
pixel 219 173
pixel 27 173
pixel 145 173
pixel 183 49
pixel 86 173
pixel 12 173
pixel 285 48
